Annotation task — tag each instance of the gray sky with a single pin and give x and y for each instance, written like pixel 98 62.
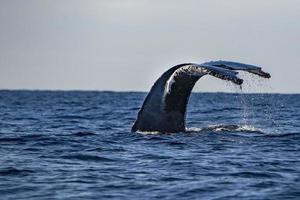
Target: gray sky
pixel 126 45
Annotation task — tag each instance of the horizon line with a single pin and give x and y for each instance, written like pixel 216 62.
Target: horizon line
pixel 141 91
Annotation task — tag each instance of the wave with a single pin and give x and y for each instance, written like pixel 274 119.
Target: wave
pixel 84 133
pixel 11 171
pixel 87 157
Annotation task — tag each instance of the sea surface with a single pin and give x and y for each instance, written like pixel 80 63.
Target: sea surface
pixel 78 145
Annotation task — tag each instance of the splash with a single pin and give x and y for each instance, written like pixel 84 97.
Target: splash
pixel 234 128
pixel 193 129
pixel 255 107
pixel 226 128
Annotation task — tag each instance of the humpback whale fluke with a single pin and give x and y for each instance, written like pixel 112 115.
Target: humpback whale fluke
pixel 164 108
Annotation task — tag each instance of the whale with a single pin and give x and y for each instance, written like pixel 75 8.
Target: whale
pixel 164 108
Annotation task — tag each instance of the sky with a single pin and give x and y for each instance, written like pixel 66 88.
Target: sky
pixel 125 45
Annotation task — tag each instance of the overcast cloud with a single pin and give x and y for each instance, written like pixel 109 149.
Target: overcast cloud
pixel 126 45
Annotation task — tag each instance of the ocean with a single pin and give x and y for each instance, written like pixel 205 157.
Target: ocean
pixel 78 145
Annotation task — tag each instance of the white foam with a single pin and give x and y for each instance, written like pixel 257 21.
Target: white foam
pixel 148 132
pixel 193 129
pixel 240 128
pixel 249 128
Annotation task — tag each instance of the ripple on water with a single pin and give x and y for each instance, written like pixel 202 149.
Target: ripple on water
pixel 87 157
pixel 12 171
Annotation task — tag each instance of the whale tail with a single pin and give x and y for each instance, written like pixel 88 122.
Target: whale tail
pixel 164 108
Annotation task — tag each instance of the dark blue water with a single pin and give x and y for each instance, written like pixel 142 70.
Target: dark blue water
pixel 78 145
